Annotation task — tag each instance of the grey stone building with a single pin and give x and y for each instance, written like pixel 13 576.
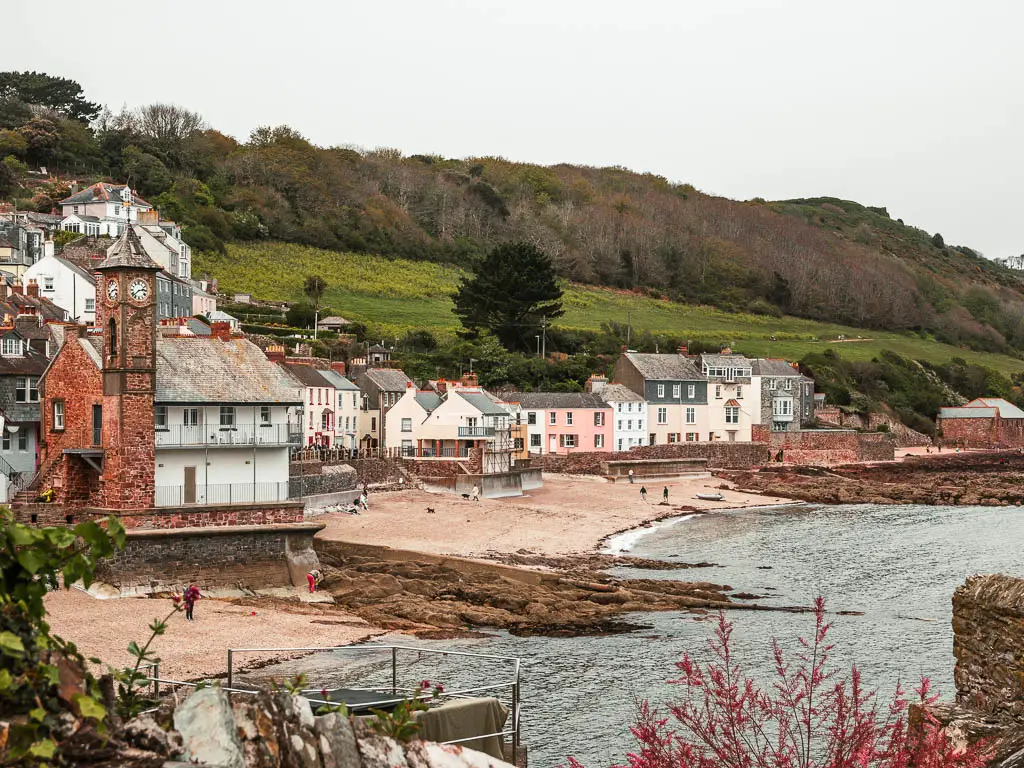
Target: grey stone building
pixel 787 396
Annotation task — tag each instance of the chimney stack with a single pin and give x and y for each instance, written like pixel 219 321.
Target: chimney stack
pixel 275 353
pixel 683 350
pixel 221 329
pixel 18 288
pixel 470 380
pixel 33 288
pixel 596 383
pixel 338 367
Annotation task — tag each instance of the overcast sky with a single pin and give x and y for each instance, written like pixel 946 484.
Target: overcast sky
pixel 916 106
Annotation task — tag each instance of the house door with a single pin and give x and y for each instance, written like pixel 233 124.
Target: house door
pixel 189 496
pixel 553 444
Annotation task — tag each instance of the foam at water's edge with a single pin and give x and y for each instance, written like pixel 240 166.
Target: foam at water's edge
pixel 623 542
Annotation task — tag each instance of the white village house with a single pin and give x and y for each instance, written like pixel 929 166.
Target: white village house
pixel 67 285
pixel 102 209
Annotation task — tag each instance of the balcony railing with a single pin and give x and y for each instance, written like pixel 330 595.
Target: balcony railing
pixel 476 431
pixel 432 453
pixel 179 436
pixel 220 493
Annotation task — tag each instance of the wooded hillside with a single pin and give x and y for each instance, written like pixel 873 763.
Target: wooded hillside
pixel 819 258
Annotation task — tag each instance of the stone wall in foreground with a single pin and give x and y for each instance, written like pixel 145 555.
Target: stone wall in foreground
pixel 828 446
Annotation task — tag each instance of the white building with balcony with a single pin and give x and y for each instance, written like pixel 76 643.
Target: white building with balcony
pixel 102 209
pixel 428 425
pixel 225 424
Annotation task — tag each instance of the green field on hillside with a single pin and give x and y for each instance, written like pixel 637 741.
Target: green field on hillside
pixel 395 295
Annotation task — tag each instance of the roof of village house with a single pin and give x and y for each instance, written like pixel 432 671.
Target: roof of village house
pixel 220 316
pixel 32 362
pixel 545 400
pixel 479 400
pixel 128 252
pixel 198 327
pixel 388 379
pixel 306 374
pixel 22 304
pixel 983 407
pixel 337 380
pixel 618 393
pixel 82 273
pixel 731 360
pixel 83 217
pixel 428 400
pixel 671 367
pixel 334 320
pixel 774 366
pixel 210 370
pixel 102 192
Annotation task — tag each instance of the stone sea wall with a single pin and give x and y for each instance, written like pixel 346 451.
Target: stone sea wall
pixel 718 455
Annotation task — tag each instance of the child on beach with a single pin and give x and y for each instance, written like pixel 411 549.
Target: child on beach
pixel 664 494
pixel 643 493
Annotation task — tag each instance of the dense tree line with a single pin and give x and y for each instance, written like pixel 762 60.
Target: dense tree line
pixel 822 259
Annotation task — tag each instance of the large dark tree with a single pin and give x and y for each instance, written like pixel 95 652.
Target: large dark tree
pixel 56 93
pixel 513 290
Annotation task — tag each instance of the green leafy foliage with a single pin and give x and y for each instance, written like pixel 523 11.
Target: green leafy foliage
pixel 512 291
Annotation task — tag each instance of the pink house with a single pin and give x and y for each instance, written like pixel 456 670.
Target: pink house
pixel 566 422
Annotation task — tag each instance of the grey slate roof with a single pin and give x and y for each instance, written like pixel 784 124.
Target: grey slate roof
pixel 128 252
pixel 82 273
pixel 101 192
pixel 665 367
pixel 727 361
pixel 774 367
pixel 545 400
pixel 618 393
pixel 429 400
pixel 209 370
pixel 306 374
pixel 388 379
pixel 1006 409
pixel 482 403
pixel 338 381
pixel 968 413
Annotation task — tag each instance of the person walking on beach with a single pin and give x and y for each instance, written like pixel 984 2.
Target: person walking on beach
pixel 189 598
pixel 643 493
pixel 631 477
pixel 664 494
pixel 364 502
pixel 313 578
pixel 475 495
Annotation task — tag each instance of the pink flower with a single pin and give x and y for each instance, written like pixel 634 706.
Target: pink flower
pixel 438 688
pixel 425 684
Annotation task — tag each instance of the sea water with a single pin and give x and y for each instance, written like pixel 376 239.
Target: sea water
pixel 898 565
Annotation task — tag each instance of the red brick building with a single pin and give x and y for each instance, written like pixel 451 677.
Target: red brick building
pixel 987 422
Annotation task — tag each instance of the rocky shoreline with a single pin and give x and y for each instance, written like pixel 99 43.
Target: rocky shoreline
pixel 555 596
pixel 993 478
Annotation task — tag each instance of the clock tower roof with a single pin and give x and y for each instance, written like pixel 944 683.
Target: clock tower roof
pixel 128 253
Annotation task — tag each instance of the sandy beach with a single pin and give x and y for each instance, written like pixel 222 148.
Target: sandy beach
pixel 103 628
pixel 569 515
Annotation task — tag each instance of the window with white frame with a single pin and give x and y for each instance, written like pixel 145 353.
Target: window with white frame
pixel 6 442
pixel 772 384
pixel 552 418
pixel 227 416
pixel 629 425
pixel 663 415
pixel 265 415
pixel 691 415
pixel 407 425
pixel 47 283
pixel 692 437
pixel 619 427
pixel 739 391
pixel 568 418
pixel 732 415
pixel 58 414
pixel 640 424
pixel 598 418
pixel 677 391
pixel 567 441
pixel 90 305
pixel 673 437
pixel 718 391
pixel 691 391
pixel 25 390
pixel 190 417
pixel 782 406
pixel 531 417
pixel 661 390
pixel 325 421
pixel 160 416
pixel 535 441
pixel 599 441
pixel 12 347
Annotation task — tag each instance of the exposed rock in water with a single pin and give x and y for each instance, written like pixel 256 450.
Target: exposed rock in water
pixel 982 479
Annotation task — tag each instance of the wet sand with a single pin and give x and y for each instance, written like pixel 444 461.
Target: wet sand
pixel 569 515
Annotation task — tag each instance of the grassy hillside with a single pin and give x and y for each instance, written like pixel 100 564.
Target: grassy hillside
pixel 396 295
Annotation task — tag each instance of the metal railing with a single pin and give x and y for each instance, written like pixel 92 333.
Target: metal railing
pixel 408 688
pixel 219 493
pixel 476 431
pixel 442 453
pixel 179 435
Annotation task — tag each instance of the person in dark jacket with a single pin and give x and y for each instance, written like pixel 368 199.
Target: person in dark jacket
pixel 189 598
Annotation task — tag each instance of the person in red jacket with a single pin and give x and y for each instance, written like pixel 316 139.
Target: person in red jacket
pixel 189 598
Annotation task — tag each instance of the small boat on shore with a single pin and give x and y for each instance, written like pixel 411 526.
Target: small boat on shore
pixel 710 497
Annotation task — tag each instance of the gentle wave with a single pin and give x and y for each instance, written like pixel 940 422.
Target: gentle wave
pixel 623 542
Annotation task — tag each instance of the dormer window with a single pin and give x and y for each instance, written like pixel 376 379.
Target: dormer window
pixel 13 347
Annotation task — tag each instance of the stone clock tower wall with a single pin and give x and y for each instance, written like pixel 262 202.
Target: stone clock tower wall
pixel 128 318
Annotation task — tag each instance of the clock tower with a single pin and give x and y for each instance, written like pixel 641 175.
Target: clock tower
pixel 126 312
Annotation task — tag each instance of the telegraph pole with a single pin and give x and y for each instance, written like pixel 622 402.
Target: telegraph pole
pixel 544 338
pixel 629 326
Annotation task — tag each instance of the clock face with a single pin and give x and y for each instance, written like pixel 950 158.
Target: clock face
pixel 112 290
pixel 138 290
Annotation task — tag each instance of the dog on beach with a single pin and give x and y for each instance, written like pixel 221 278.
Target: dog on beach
pixel 430 510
